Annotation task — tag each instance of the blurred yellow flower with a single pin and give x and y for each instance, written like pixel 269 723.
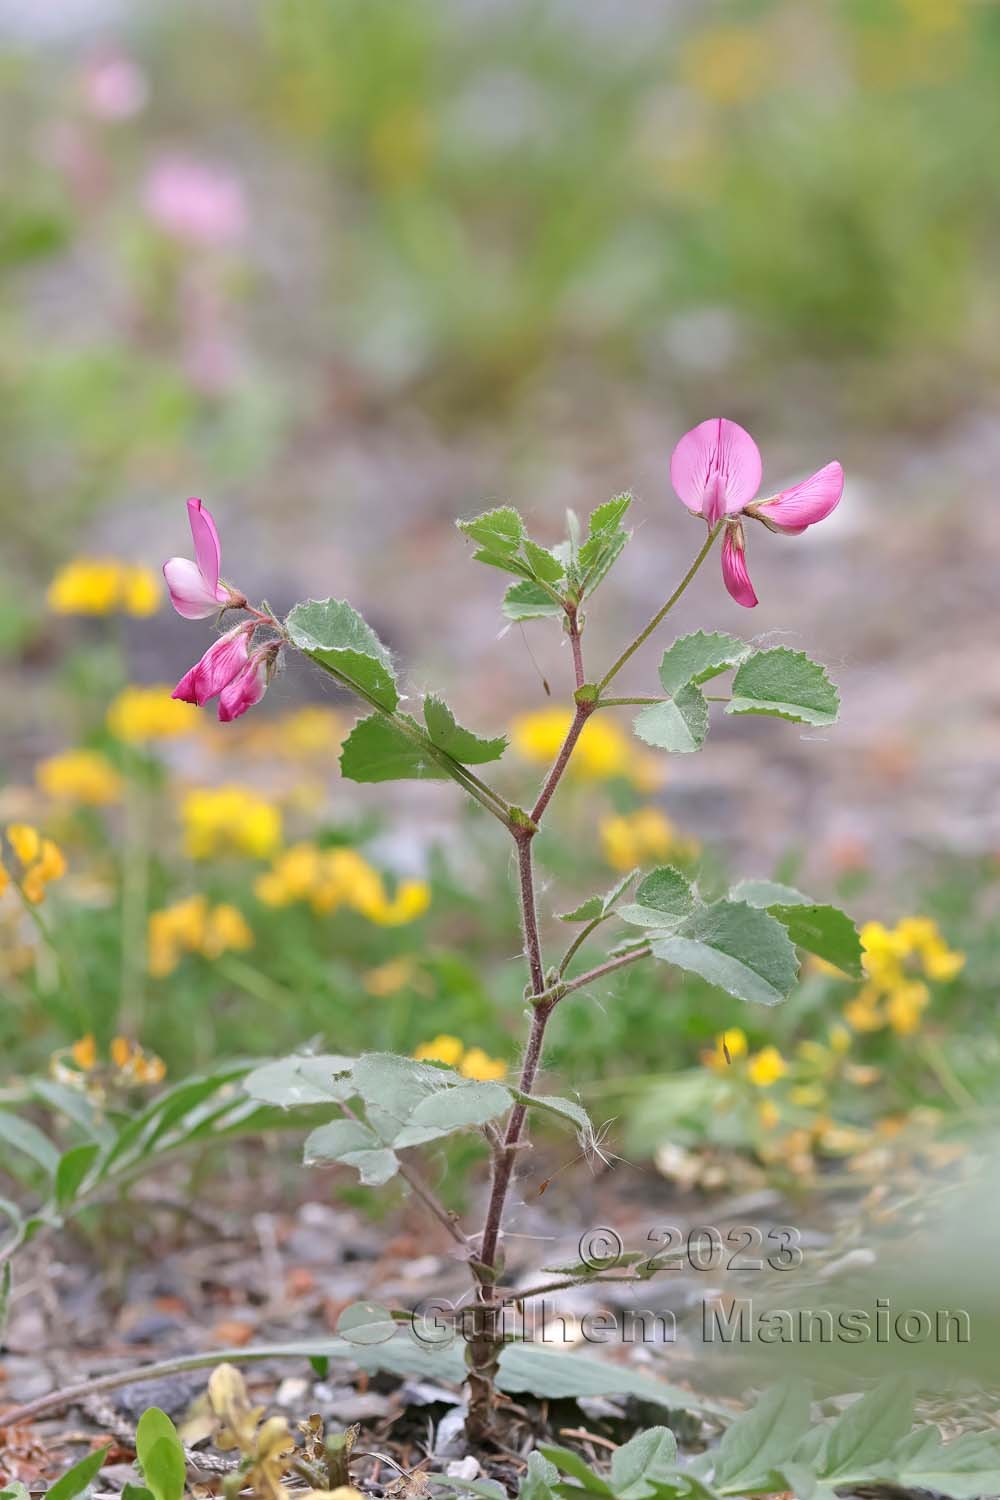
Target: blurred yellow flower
pixel 41 859
pixel 478 1064
pixel 905 1006
pixel 332 878
pixel 863 1012
pixel 471 1063
pixel 443 1049
pixel 192 926
pixel 4 879
pixel 899 961
pixel 309 732
pixel 727 64
pixel 768 1114
pixel 149 713
pixel 636 838
pixel 82 776
pixel 766 1067
pixel 134 1064
pixel 104 586
pixel 603 751
pixel 389 978
pixel 229 819
pixel 84 1052
pixel 729 1047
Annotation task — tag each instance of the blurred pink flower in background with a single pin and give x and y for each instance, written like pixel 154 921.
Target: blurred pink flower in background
pixel 195 203
pixel 114 86
pixel 716 471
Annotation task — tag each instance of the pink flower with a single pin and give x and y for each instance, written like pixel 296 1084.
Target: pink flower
pixel 114 86
pixel 223 661
pixel 716 471
pixel 195 590
pixel 248 686
pixel 196 203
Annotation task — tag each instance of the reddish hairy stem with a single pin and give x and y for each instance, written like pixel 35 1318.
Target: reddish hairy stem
pixel 583 713
pixel 609 968
pixel 573 626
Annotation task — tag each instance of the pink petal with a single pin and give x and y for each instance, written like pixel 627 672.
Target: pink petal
pixel 208 553
pixel 734 567
pixel 715 468
pixel 189 592
pixel 247 688
pixel 223 661
pixel 805 503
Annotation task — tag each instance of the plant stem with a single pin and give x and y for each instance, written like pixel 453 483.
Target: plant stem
pixel 579 941
pixel 573 627
pixel 612 964
pixel 583 713
pixel 661 614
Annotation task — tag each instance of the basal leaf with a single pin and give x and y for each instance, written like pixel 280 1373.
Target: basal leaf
pixel 461 744
pixel 76 1479
pixel 679 724
pixel 965 1468
pixel 161 1455
pixel 73 1167
pixel 762 1440
pixel 379 750
pixel 530 601
pixel 737 947
pixel 661 900
pixel 642 1464
pixel 366 1323
pixel 571 1463
pixel 785 684
pixel 697 658
pixel 27 1138
pixel 334 635
pixel 864 1435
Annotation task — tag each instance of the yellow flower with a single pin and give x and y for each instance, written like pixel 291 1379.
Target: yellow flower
pixel 443 1049
pixel 227 931
pixel 863 1013
pixel 768 1114
pixel 84 1053
pixel 766 1067
pixel 726 64
pixel 840 1040
pixel 647 834
pixel 4 880
pixel 391 977
pixel 219 820
pixel 141 591
pixel 478 1064
pixel 732 1042
pixel 134 1064
pixel 410 901
pixel 139 714
pixel 25 841
pixel 603 751
pixel 103 586
pixel 310 732
pixel 88 586
pixel 83 776
pixel 905 1006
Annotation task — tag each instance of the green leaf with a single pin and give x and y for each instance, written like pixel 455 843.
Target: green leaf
pixel 26 1137
pixel 737 947
pixel 785 684
pixel 18 1491
pixel 395 1085
pixel 865 1434
pixel 500 530
pixel 662 899
pixel 6 1275
pixel 530 601
pixel 566 1110
pixel 160 1455
pixel 818 928
pixel 643 1463
pixel 679 724
pixel 461 744
pixel 965 1468
pixel 297 1080
pixel 355 1144
pixel 366 1323
pixel 697 658
pixel 334 635
pixel 599 906
pixel 606 541
pixel 72 1169
pixel 544 564
pixel 759 1442
pixel 76 1479
pixel 571 1463
pixel 453 1109
pixel 539 1479
pixel 378 750
pixel 136 1492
